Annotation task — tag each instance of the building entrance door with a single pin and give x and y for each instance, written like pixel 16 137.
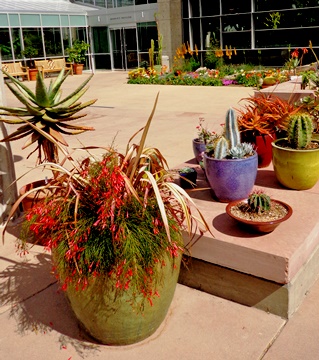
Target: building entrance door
pixel 124 48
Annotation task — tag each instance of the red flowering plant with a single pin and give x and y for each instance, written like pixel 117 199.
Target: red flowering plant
pixel 118 217
pixel 294 61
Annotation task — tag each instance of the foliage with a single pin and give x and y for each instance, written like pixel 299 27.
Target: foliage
pixel 294 61
pixel 116 217
pixel 310 105
pixel 228 145
pixel 185 59
pixel 45 117
pixel 300 130
pixel 77 51
pixel 264 114
pixel 258 202
pixel 203 134
pixel 273 20
pixel 186 170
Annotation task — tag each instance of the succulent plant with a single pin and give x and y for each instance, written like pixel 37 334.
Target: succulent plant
pixel 241 150
pixel 45 117
pixel 300 128
pixel 258 202
pixel 228 145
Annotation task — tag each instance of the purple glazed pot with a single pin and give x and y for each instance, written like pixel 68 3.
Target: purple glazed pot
pixel 198 148
pixel 231 179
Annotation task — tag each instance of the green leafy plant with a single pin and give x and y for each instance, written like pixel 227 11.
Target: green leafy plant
pixel 77 51
pixel 116 217
pixel 300 128
pixel 45 117
pixel 203 134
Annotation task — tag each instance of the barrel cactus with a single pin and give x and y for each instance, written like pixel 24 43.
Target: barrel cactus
pixel 300 130
pixel 258 202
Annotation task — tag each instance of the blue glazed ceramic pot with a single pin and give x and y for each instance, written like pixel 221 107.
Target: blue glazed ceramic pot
pixel 231 179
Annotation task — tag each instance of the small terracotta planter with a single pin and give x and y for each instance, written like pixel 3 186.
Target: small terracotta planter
pixel 34 197
pixel 259 226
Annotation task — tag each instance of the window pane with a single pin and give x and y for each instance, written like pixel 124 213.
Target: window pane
pixel 100 3
pixel 102 61
pixel 66 38
pixel 50 20
pixel 5 45
pixel 33 46
pixel 52 41
pixel 16 41
pixel 194 8
pixel 30 20
pixel 210 7
pixel 110 4
pixel 64 20
pixel 100 40
pixel 77 20
pixel 4 20
pixel 14 20
pixel 146 32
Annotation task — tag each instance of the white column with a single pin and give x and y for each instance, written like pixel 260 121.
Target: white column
pixel 8 186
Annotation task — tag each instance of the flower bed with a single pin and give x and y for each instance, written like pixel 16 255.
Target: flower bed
pixel 206 77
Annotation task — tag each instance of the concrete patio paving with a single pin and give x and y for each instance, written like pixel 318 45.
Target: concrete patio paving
pixel 35 319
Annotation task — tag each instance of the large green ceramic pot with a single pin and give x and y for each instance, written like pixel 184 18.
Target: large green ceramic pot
pixel 295 169
pixel 111 319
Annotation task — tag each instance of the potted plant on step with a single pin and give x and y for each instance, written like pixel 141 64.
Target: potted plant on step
pixel 296 158
pixel 77 55
pixel 114 226
pixel 259 212
pixel 44 118
pixel 230 165
pixel 259 121
pixel 30 52
pixel 188 177
pixel 204 137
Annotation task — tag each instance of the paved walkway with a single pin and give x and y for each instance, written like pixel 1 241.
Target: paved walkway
pixel 35 320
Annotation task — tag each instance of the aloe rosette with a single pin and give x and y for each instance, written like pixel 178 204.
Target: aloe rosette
pixel 45 116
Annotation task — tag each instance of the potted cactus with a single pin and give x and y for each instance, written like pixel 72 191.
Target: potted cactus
pixel 296 158
pixel 259 212
pixel 230 165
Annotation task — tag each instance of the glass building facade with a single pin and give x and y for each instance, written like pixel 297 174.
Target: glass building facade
pixel 120 31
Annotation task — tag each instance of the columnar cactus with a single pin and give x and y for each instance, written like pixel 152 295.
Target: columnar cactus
pixel 300 130
pixel 231 129
pixel 229 144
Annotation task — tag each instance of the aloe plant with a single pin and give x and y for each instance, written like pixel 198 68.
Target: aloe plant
pixel 45 109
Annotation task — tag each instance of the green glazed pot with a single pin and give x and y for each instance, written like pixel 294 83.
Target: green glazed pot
pixel 295 169
pixel 111 319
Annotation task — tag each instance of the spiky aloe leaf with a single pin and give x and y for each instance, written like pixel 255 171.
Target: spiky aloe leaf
pixel 41 94
pixel 76 91
pixel 19 84
pixel 54 90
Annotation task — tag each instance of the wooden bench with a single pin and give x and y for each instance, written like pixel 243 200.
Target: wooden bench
pixel 54 65
pixel 16 69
